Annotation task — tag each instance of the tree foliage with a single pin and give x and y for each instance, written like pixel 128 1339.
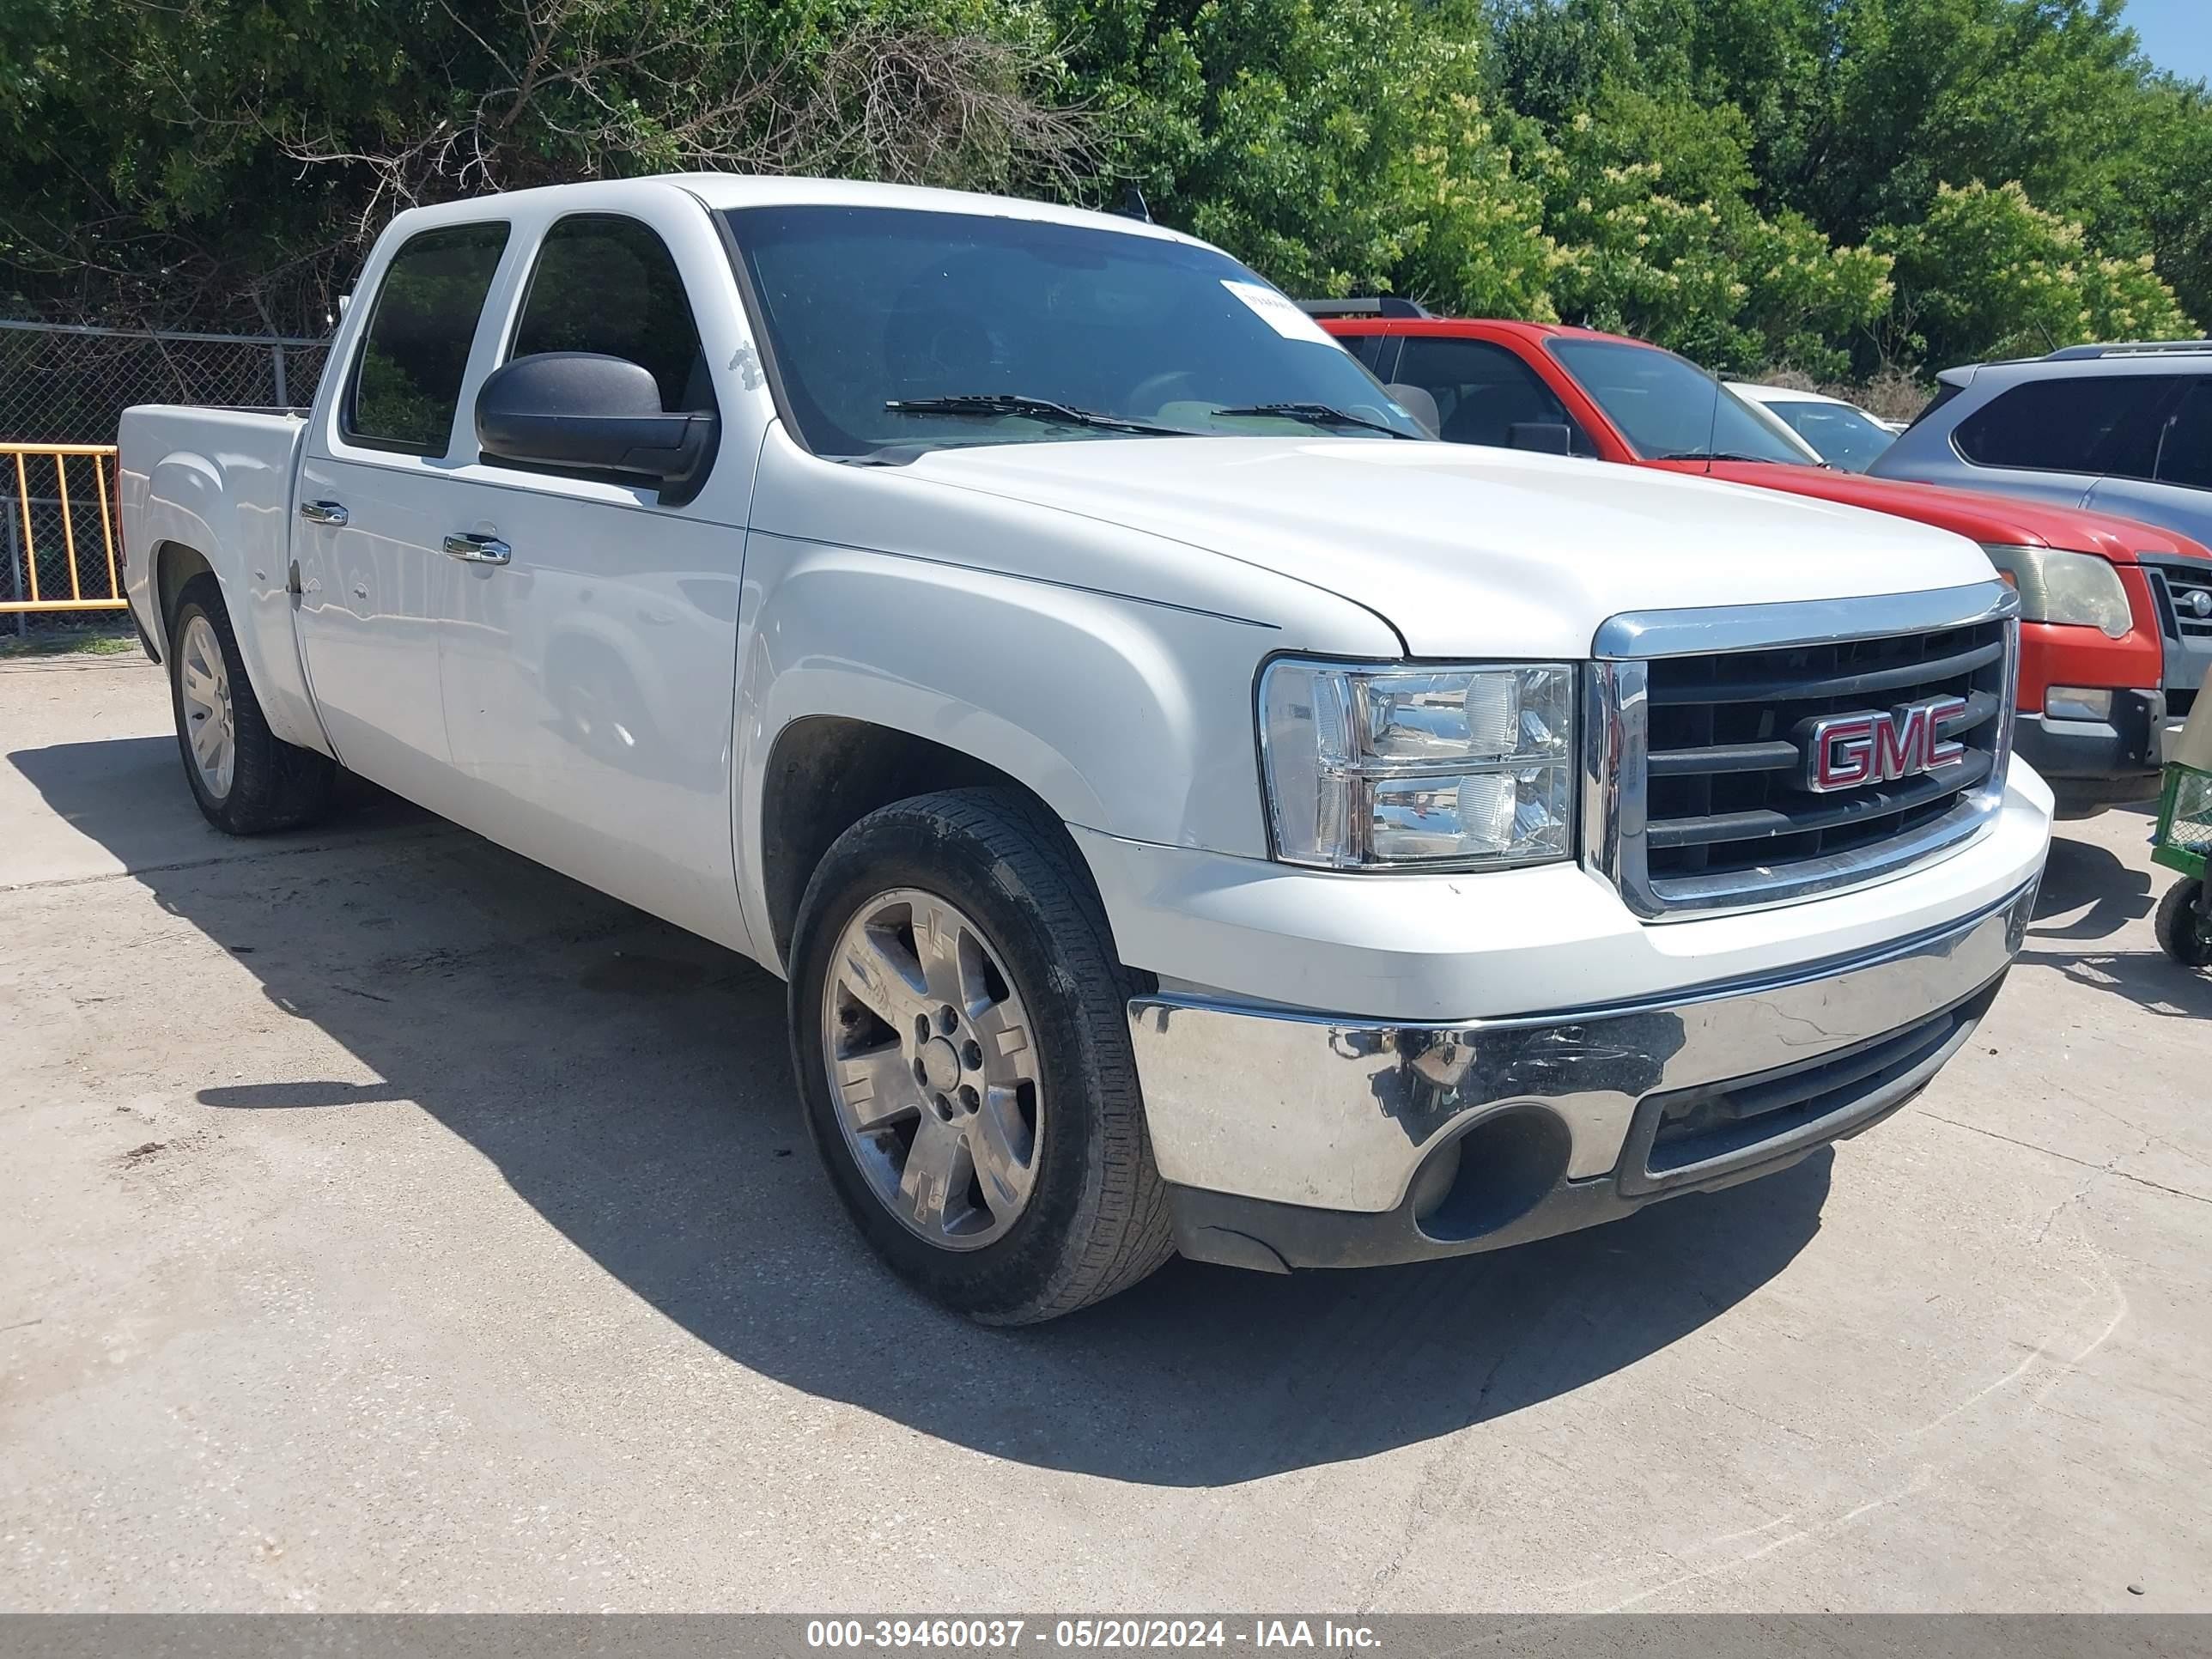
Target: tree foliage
pixel 1838 186
pixel 1988 272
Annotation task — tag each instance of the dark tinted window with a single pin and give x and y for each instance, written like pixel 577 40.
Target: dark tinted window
pixel 864 308
pixel 408 381
pixel 1482 390
pixel 2102 423
pixel 2185 451
pixel 608 284
pixel 1669 408
pixel 1374 350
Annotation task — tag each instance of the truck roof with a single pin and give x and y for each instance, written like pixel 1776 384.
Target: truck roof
pixel 1367 323
pixel 723 191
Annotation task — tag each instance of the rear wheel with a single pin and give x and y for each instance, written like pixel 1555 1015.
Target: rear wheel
pixel 247 780
pixel 960 1034
pixel 2185 927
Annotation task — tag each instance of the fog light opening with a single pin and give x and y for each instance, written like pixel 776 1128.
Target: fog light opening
pixel 1491 1176
pixel 2078 702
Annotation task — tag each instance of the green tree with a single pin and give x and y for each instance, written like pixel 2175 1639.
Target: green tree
pixel 1338 146
pixel 1648 199
pixel 1989 274
pixel 1855 119
pixel 228 160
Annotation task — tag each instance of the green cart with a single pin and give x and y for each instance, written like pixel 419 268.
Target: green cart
pixel 2183 841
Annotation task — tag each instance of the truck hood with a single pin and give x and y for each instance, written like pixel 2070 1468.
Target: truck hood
pixel 1463 548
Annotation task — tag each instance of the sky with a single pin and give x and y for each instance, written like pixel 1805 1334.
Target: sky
pixel 2176 34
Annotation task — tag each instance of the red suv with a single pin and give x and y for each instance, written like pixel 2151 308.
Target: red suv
pixel 2094 639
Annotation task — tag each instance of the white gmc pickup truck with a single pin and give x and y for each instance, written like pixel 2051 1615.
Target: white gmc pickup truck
pixel 1193 810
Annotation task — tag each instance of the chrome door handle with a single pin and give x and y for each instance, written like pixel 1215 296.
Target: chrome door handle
pixel 332 513
pixel 479 549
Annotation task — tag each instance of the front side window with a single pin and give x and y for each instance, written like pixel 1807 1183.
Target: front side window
pixel 2098 424
pixel 1668 409
pixel 407 380
pixel 1844 436
pixel 2184 450
pixel 608 284
pixel 893 327
pixel 1482 391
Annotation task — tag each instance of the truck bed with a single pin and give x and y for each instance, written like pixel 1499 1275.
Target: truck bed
pixel 218 483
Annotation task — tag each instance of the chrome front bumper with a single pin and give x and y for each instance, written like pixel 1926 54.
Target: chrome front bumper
pixel 1292 1139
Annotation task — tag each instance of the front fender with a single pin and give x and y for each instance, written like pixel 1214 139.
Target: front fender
pixel 1124 716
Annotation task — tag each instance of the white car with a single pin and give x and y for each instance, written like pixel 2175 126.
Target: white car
pixel 1828 429
pixel 1192 808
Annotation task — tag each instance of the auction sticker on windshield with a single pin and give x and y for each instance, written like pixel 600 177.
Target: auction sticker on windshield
pixel 1278 312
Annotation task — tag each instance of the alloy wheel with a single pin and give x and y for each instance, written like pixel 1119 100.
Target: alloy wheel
pixel 932 1066
pixel 210 728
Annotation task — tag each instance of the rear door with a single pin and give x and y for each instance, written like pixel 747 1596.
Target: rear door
pixel 373 584
pixel 589 674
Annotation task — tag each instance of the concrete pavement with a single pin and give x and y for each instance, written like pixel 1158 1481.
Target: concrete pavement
pixel 393 1223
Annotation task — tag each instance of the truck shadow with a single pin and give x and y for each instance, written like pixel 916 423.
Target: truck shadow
pixel 631 1083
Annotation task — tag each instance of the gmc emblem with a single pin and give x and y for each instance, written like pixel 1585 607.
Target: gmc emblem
pixel 1843 752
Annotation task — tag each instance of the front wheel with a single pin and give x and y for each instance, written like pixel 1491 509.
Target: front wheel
pixel 247 780
pixel 960 1035
pixel 2184 927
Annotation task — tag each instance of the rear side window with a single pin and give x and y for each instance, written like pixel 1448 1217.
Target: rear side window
pixel 1482 390
pixel 2104 424
pixel 2185 446
pixel 407 382
pixel 608 284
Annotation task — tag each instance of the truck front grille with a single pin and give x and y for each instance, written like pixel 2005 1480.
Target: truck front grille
pixel 2187 614
pixel 1710 806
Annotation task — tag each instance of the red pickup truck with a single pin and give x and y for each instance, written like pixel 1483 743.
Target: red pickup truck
pixel 2106 667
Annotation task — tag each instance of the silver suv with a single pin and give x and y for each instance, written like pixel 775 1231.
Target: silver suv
pixel 2126 429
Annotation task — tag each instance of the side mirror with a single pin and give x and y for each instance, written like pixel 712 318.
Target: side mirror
pixel 582 411
pixel 1418 402
pixel 1545 437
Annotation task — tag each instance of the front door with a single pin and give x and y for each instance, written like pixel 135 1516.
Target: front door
pixel 373 580
pixel 590 650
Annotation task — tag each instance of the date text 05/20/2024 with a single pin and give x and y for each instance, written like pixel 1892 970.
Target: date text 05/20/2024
pixel 986 1634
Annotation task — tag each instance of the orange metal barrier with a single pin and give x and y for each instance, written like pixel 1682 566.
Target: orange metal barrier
pixel 94 583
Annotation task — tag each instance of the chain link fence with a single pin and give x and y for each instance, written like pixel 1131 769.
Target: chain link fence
pixel 66 385
pixel 63 385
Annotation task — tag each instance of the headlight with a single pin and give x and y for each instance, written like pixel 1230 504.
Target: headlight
pixel 2064 588
pixel 1370 767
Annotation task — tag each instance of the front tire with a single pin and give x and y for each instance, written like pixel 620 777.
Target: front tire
pixel 960 1035
pixel 247 780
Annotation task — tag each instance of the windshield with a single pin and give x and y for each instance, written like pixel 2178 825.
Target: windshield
pixel 1668 408
pixel 894 328
pixel 1845 436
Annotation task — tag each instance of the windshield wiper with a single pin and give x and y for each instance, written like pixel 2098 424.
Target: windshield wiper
pixel 1316 415
pixel 1043 409
pixel 1720 455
